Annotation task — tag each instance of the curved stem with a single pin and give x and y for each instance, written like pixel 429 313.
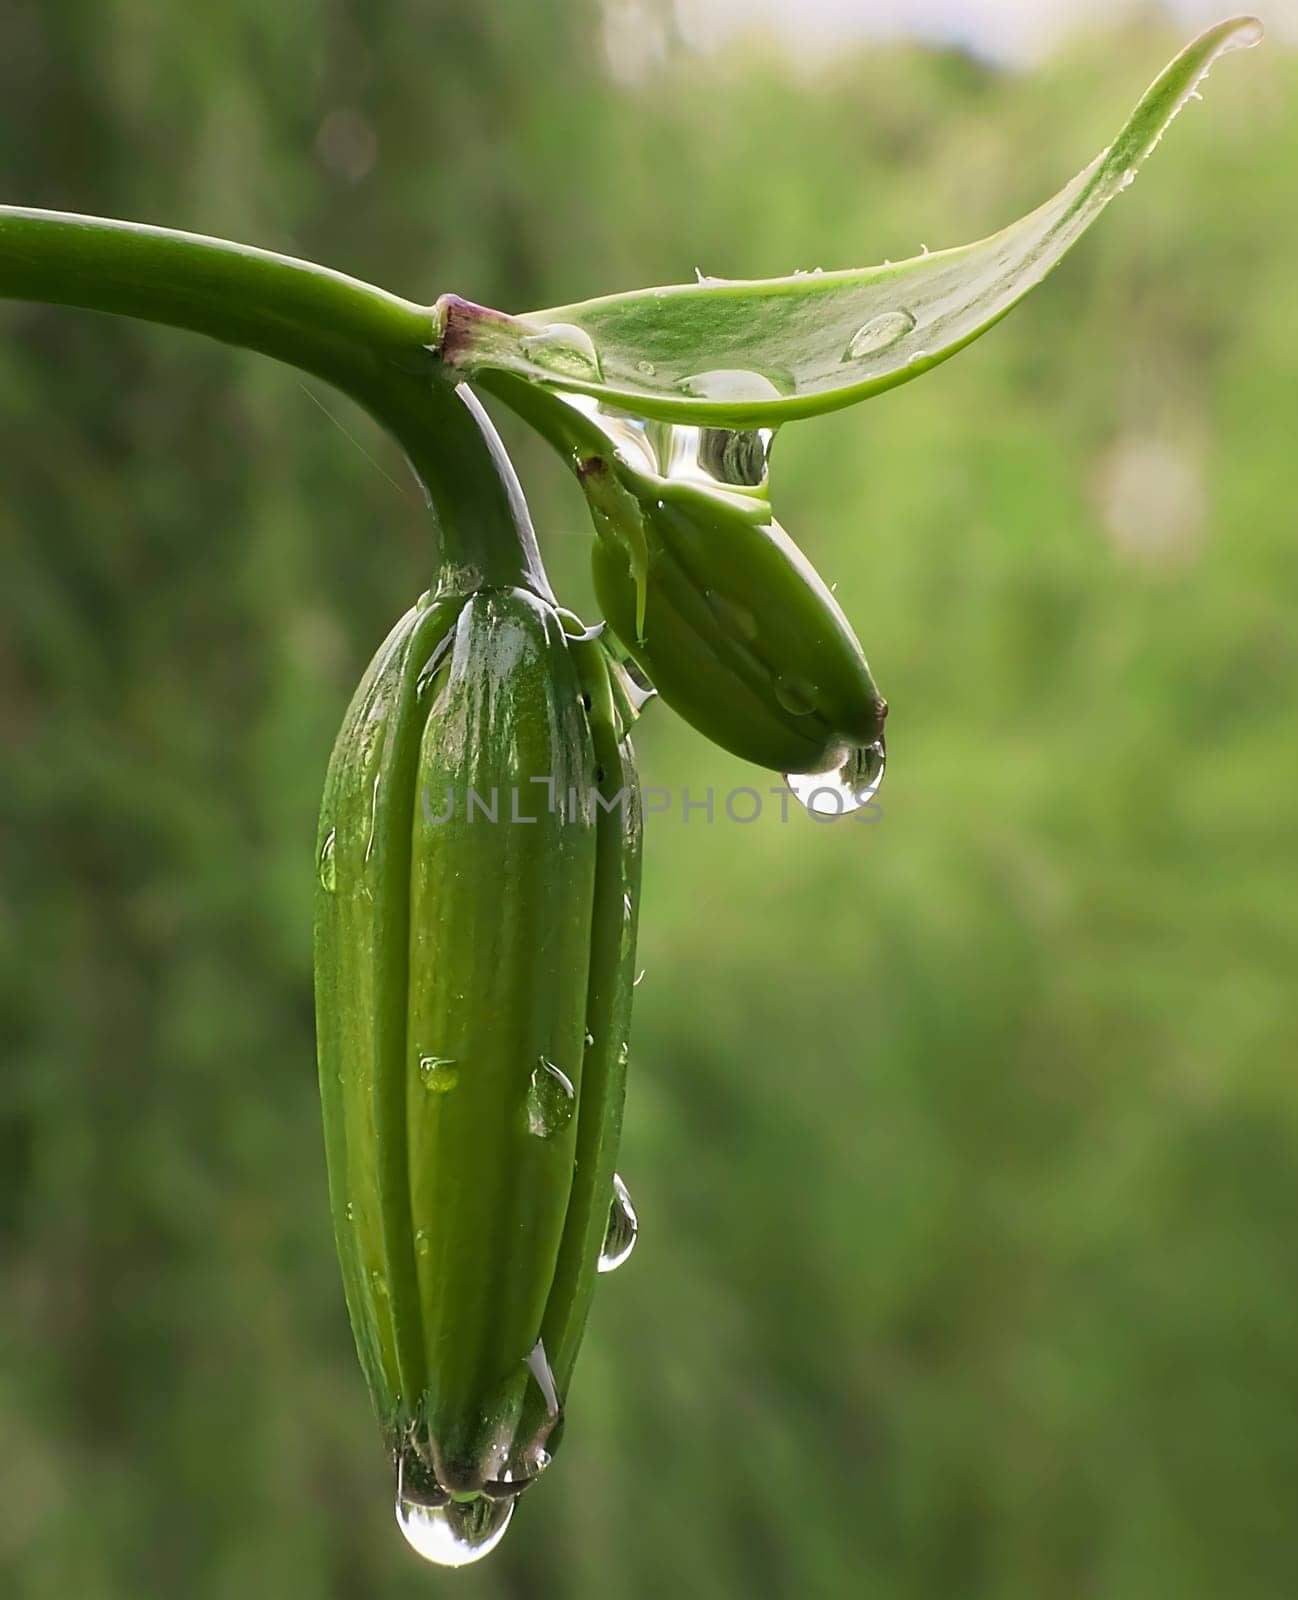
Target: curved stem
pixel 372 345
pixel 485 533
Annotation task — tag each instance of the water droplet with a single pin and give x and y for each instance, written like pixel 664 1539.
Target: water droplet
pixel 878 334
pixel 328 866
pixel 738 458
pixel 379 1284
pixel 590 1038
pixel 438 1074
pixel 845 788
pixel 351 1212
pixel 422 1242
pixel 550 1100
pixel 915 357
pixel 457 1533
pixel 567 350
pixel 730 385
pixel 647 367
pixel 623 1226
pixel 797 698
pixel 738 621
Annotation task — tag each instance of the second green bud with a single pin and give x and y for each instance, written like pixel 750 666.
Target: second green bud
pixel 731 622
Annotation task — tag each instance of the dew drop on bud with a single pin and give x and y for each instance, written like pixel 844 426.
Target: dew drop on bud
pixel 737 620
pixel 843 789
pixel 797 698
pixel 550 1100
pixel 438 1074
pixel 567 351
pixel 455 1534
pixel 328 866
pixel 623 1226
pixel 879 333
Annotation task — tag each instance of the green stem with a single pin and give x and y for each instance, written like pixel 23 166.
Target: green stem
pixel 372 345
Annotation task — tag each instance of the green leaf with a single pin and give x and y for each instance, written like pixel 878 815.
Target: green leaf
pixel 754 353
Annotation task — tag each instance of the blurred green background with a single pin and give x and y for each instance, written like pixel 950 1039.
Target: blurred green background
pixel 965 1144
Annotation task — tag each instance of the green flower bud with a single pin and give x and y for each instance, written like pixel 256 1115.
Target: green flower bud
pixel 475 937
pixel 729 619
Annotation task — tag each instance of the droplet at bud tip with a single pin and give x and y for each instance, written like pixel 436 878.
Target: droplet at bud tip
pixel 456 1534
pixel 843 789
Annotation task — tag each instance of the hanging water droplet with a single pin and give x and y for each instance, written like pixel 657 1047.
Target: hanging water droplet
pixel 797 698
pixel 438 1074
pixel 730 385
pixel 738 458
pixel 379 1284
pixel 879 333
pixel 590 1038
pixel 351 1211
pixel 567 350
pixel 842 789
pixel 550 1100
pixel 457 1533
pixel 422 1242
pixel 915 357
pixel 328 866
pixel 623 1226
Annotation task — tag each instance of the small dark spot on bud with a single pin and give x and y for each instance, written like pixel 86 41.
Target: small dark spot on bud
pixel 591 466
